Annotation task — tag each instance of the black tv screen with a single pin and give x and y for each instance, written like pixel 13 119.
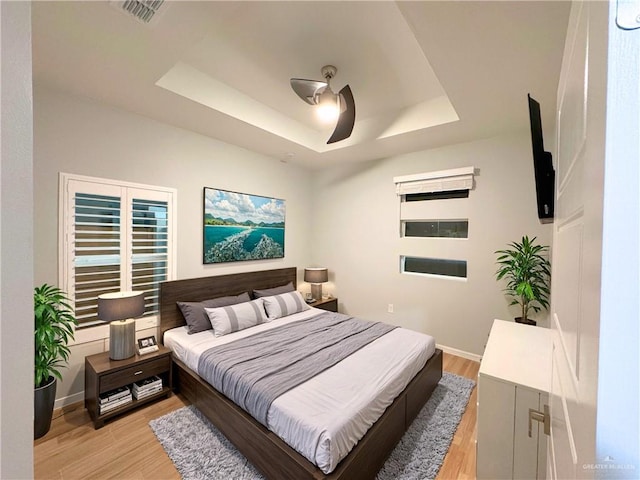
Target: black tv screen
pixel 545 175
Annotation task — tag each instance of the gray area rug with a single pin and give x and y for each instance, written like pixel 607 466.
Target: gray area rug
pixel 199 451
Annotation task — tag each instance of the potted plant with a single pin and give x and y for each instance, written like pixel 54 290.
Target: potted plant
pixel 528 274
pixel 54 327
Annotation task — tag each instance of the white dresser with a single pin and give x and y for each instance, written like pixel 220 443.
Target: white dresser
pixel 514 376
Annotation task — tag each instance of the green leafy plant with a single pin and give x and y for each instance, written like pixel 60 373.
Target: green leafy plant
pixel 528 275
pixel 54 322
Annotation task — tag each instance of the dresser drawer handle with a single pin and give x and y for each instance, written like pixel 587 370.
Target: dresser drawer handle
pixel 138 372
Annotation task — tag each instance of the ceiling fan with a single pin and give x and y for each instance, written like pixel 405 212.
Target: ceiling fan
pixel 319 93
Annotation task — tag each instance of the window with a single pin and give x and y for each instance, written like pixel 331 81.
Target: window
pixel 434 266
pixel 434 205
pixel 115 236
pixel 436 228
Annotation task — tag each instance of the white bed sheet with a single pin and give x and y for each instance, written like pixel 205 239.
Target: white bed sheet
pixel 324 417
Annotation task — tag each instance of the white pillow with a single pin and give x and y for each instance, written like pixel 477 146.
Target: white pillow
pixel 285 304
pixel 230 319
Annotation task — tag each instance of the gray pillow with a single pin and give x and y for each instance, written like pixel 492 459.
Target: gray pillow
pixel 268 292
pixel 233 318
pixel 195 316
pixel 284 304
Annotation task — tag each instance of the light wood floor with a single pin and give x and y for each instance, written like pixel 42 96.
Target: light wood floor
pixel 126 448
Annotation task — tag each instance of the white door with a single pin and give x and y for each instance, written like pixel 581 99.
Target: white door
pixel 595 143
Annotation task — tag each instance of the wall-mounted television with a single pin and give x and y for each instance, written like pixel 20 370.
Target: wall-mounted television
pixel 545 175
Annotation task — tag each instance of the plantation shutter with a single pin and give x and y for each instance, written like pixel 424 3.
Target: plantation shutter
pixel 149 257
pixel 116 237
pixel 96 248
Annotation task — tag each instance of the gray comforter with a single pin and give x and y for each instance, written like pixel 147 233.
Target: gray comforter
pixel 255 370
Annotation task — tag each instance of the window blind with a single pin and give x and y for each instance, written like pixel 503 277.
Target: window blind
pixel 431 182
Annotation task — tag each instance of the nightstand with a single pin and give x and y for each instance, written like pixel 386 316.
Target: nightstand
pixel 329 304
pixel 101 374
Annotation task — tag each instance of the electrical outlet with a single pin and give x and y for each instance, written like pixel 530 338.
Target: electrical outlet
pixel 390 308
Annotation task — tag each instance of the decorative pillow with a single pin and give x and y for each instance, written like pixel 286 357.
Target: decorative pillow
pixel 285 304
pixel 233 318
pixel 195 316
pixel 267 292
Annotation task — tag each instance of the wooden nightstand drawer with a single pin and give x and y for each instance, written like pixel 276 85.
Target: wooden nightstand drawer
pixel 134 373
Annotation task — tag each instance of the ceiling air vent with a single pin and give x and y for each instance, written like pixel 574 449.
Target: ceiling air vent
pixel 144 11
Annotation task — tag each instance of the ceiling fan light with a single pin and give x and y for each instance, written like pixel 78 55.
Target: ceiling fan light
pixel 328 108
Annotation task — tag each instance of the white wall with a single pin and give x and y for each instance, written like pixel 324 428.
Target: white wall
pixel 16 243
pixel 356 235
pixel 80 136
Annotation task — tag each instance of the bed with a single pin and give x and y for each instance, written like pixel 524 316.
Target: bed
pixel 268 453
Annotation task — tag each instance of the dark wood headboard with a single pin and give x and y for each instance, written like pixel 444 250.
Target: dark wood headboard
pixel 205 288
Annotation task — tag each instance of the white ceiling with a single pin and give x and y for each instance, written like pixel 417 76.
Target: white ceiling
pixel 423 74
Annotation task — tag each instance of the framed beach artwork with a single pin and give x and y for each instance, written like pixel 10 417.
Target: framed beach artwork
pixel 239 226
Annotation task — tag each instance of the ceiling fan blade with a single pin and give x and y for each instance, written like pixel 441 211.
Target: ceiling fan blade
pixel 347 117
pixel 307 89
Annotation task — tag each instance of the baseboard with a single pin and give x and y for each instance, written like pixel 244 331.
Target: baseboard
pixel 459 353
pixel 72 407
pixel 70 400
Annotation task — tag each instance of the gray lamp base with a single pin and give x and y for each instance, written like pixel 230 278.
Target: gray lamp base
pixel 316 291
pixel 122 339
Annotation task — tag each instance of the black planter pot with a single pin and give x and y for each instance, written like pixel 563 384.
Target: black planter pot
pixel 45 397
pixel 527 322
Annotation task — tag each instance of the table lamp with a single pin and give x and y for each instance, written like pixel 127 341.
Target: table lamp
pixel 316 277
pixel 120 308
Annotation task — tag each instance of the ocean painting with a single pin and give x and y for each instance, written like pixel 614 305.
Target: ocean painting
pixel 239 226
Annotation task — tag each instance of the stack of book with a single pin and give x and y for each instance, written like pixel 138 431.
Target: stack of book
pixel 114 399
pixel 148 386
